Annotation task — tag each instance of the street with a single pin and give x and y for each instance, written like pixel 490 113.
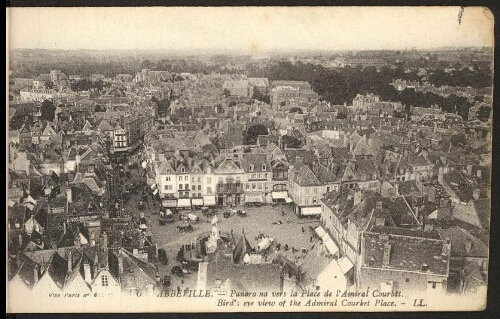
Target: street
pixel 292 231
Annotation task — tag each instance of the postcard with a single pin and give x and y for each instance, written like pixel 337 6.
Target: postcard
pixel 248 159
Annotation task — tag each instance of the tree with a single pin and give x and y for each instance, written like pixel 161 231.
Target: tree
pixel 296 110
pixel 291 142
pixel 253 132
pixel 484 113
pixel 48 110
pixel 99 108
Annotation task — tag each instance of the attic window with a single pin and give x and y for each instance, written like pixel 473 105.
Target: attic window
pixel 263 167
pixel 183 169
pixel 104 280
pixel 250 168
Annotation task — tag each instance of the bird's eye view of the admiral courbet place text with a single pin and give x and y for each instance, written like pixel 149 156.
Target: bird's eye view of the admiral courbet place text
pixel 248 159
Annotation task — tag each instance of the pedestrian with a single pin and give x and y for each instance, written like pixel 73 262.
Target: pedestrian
pixel 311 239
pixel 182 282
pixel 303 229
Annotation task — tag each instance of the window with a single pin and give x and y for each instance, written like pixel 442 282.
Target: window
pixel 180 178
pixel 265 175
pixel 186 187
pixel 247 186
pixel 250 168
pixel 183 169
pixel 104 280
pixel 166 187
pixel 209 180
pixel 209 190
pixel 199 187
pixel 260 185
pixel 263 167
pixel 186 178
pixel 199 179
pixel 407 280
pixel 180 186
pixel 167 178
pixel 193 179
pixel 193 187
pixel 253 176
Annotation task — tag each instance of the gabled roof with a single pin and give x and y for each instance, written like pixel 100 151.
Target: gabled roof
pixel 241 248
pixel 323 174
pixel 305 177
pixel 463 244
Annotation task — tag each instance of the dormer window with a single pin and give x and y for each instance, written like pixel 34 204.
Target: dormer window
pixel 250 168
pixel 263 167
pixel 183 169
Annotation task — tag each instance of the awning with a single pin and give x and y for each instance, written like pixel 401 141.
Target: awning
pixel 288 200
pixel 197 201
pixel 254 198
pixel 184 202
pixel 153 186
pixel 320 231
pixel 309 211
pixel 155 192
pixel 280 195
pixel 209 200
pixel 345 264
pixel 169 203
pixel 331 246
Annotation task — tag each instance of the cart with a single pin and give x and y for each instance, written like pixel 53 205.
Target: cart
pixel 185 227
pixel 193 218
pixel 207 212
pixel 241 213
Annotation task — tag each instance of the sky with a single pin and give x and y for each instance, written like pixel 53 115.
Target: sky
pixel 251 30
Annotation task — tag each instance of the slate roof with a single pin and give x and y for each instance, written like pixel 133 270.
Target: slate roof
pixel 323 174
pixel 463 244
pixel 245 278
pixel 483 210
pixel 407 253
pixel 257 160
pixel 305 177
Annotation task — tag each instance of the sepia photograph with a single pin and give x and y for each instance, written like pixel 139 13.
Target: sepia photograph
pixel 248 159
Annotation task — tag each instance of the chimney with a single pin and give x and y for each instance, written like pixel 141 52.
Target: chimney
pixel 428 227
pixel 77 241
pixel 86 272
pixel 468 246
pixel 469 170
pixel 358 196
pixel 387 255
pixel 35 275
pixel 120 263
pixel 104 241
pixel 425 267
pixel 69 194
pixel 476 193
pixel 380 221
pixel 70 261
